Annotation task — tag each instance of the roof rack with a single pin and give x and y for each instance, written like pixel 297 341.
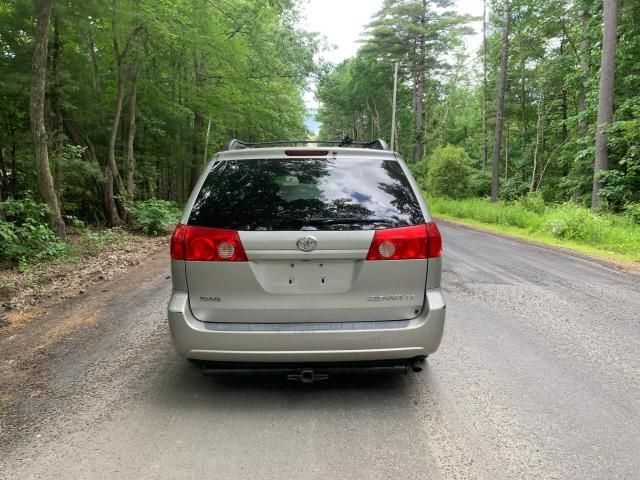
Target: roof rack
pixel 378 144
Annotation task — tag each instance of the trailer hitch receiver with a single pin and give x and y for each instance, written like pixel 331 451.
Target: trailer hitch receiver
pixel 307 375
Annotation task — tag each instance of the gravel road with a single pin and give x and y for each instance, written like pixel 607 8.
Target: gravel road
pixel 538 377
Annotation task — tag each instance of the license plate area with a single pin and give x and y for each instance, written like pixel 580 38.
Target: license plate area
pixel 305 276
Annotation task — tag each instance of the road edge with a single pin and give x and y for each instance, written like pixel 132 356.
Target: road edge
pixel 623 266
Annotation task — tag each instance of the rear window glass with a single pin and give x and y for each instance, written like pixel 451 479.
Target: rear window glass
pixel 306 194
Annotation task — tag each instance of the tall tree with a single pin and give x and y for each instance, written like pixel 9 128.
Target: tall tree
pixel 419 34
pixel 37 115
pixel 485 142
pixel 605 103
pixel 131 164
pixel 585 67
pixel 504 57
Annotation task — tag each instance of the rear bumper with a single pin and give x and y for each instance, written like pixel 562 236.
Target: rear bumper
pixel 419 337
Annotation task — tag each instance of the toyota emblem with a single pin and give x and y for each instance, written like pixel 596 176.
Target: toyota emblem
pixel 307 244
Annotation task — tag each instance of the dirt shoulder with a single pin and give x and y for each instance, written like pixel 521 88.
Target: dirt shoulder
pixel 58 309
pixel 100 257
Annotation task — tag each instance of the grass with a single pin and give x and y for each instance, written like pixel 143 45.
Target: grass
pixel 607 236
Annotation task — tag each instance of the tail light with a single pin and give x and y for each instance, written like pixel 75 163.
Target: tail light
pixel 206 245
pixel 177 242
pixel 406 243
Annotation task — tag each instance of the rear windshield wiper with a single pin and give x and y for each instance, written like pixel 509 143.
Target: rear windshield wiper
pixel 348 221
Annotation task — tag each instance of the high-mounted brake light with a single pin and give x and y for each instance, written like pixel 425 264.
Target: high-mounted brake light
pixel 306 153
pixel 406 243
pixel 206 245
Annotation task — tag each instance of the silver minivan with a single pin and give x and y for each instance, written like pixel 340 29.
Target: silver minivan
pixel 306 258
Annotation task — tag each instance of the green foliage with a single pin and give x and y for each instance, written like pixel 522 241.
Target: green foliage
pixel 419 170
pixel 573 222
pixel 24 235
pixel 546 84
pixel 94 240
pixel 27 210
pixel 513 189
pixel 480 183
pixel 632 211
pixel 355 95
pixel 449 172
pixel 206 72
pixel 154 217
pixel 533 202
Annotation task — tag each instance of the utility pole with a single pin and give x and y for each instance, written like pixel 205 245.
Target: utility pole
pixel 393 109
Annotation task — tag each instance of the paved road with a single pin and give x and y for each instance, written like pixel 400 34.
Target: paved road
pixel 538 377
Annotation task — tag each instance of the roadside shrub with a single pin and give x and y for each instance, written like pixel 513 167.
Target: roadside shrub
pixel 419 171
pixel 570 222
pixel 27 210
pixel 487 212
pixel 573 222
pixel 480 183
pixel 513 189
pixel 533 202
pixel 25 236
pixel 154 217
pixel 449 172
pixel 632 211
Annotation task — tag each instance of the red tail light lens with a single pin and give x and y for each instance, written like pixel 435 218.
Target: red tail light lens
pixel 434 247
pixel 206 245
pixel 406 243
pixel 177 242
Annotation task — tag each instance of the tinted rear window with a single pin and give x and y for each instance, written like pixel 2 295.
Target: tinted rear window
pixel 306 194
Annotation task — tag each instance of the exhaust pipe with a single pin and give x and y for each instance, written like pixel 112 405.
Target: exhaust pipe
pixel 417 364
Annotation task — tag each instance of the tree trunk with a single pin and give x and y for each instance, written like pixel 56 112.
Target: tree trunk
pixel 523 104
pixel 605 105
pixel 196 160
pixel 111 173
pixel 585 67
pixel 504 56
pixel 539 139
pixel 419 114
pixel 132 132
pixel 485 140
pixel 506 154
pixel 56 101
pixel 94 63
pixel 565 113
pixel 3 176
pixel 14 166
pixel 205 157
pixel 36 110
pixel 419 89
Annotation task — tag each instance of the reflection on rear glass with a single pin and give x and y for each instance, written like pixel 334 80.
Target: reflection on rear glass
pixel 306 194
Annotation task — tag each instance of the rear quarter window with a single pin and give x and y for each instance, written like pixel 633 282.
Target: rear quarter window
pixel 306 194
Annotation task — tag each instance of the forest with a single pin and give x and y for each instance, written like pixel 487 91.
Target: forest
pixel 111 109
pixel 549 105
pixel 106 104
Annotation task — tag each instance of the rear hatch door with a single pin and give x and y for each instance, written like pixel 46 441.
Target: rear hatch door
pixel 306 226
